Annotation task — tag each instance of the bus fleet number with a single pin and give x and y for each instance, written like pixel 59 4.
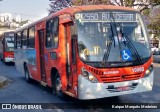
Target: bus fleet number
pixel 138 69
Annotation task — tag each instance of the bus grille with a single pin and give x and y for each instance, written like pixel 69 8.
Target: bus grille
pixel 97 72
pixel 114 77
pixel 118 78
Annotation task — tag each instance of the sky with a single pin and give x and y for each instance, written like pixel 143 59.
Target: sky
pixel 27 9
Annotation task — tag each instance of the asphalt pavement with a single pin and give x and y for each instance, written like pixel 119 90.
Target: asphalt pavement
pixel 2 81
pixel 17 90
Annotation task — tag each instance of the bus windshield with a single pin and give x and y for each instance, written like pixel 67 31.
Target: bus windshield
pixel 9 43
pixel 113 37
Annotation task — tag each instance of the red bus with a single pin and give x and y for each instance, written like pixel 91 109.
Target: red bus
pixel 7 53
pixel 87 52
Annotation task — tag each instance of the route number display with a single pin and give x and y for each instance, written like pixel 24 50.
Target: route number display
pixel 106 16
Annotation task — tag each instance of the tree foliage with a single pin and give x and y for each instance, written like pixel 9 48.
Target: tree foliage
pixel 154 21
pixel 141 5
pixel 57 5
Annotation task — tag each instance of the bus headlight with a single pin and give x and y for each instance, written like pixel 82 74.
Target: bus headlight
pixel 148 71
pixel 91 77
pixel 87 75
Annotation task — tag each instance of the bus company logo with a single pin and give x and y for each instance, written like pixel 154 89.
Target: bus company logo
pixel 111 72
pixel 6 106
pixel 21 106
pixel 123 76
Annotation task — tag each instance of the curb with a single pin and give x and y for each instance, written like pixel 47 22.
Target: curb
pixel 2 81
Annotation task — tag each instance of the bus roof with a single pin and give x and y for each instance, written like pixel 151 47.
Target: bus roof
pixel 74 9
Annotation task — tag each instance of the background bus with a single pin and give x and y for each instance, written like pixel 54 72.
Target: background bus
pixel 7 51
pixel 77 52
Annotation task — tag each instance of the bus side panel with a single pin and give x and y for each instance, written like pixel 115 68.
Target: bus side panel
pixel 20 58
pixel 31 63
pixel 27 57
pixel 60 60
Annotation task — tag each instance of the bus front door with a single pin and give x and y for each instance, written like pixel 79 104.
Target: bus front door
pixel 71 64
pixel 41 54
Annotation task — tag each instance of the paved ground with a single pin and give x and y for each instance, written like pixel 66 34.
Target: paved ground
pixel 19 91
pixel 2 81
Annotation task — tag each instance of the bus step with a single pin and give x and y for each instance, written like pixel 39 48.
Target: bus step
pixel 69 93
pixel 43 83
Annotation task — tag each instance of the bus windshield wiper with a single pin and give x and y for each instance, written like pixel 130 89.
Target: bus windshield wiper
pixel 131 46
pixel 108 48
pixel 109 45
pixel 111 38
pixel 113 20
pixel 126 41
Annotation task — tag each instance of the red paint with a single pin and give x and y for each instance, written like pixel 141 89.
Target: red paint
pixel 70 80
pixel 5 52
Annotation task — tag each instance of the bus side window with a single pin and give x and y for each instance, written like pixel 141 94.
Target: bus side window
pixel 15 40
pixel 52 33
pixel 18 43
pixel 31 38
pixel 24 39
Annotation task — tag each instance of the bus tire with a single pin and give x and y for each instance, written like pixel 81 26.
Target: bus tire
pixel 53 86
pixel 27 76
pixel 58 86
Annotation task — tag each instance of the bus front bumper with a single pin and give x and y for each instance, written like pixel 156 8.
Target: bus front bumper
pixel 88 90
pixel 9 59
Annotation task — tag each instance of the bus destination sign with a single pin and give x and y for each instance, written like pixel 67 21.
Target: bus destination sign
pixel 106 16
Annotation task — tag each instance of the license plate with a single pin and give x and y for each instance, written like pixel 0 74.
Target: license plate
pixel 125 88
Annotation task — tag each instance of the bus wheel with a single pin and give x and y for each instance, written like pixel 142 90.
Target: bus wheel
pixel 58 86
pixel 27 76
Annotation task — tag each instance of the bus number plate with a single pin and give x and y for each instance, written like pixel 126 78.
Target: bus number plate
pixel 125 88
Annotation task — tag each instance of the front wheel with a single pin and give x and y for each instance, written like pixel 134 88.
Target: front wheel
pixel 57 86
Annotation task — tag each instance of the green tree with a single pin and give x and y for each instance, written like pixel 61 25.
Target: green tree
pixel 57 5
pixel 154 22
pixel 23 22
pixel 141 5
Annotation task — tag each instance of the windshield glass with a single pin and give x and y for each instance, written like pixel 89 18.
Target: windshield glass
pixel 9 43
pixel 117 36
